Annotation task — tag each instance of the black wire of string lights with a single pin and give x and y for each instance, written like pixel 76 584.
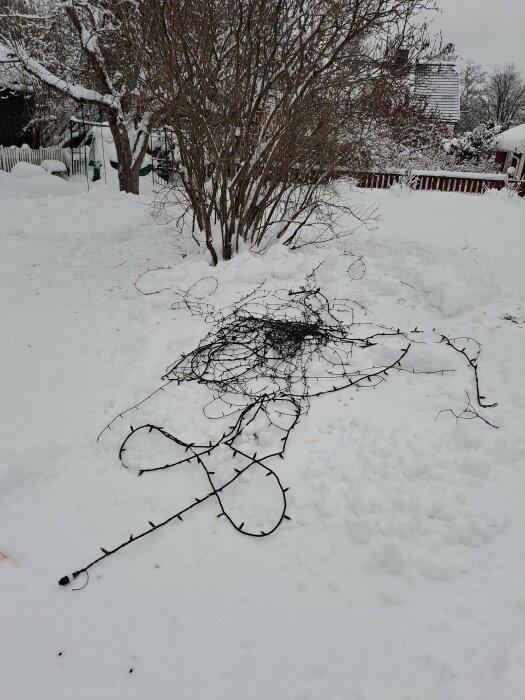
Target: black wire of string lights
pixel 267 355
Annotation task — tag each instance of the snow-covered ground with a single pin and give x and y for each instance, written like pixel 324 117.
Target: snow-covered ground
pixel 401 575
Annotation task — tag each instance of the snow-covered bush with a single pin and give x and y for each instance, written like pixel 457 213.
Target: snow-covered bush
pixel 469 152
pixel 409 154
pixel 408 180
pixel 476 146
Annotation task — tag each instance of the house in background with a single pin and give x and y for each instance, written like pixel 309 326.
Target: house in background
pixel 15 114
pixel 438 84
pixel 510 151
pixel 15 106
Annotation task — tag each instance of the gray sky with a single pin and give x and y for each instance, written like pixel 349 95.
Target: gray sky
pixel 488 31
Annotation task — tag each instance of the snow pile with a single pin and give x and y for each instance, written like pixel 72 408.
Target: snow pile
pixel 23 169
pixel 53 166
pixel 406 524
pixel 27 181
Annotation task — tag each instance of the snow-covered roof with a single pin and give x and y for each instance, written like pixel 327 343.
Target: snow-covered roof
pixel 438 83
pixel 511 140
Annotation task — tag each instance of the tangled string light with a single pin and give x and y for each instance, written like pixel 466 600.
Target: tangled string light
pixel 267 356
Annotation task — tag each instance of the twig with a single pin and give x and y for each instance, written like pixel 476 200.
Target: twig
pixel 468 413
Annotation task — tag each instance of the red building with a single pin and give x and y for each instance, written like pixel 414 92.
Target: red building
pixel 510 151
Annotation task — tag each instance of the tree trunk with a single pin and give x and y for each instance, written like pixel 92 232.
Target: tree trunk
pixel 128 177
pixel 209 240
pixel 227 245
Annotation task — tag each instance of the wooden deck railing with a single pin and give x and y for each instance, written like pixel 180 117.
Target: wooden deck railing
pixel 443 181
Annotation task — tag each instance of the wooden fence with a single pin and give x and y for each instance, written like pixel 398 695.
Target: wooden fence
pixel 9 157
pixel 443 181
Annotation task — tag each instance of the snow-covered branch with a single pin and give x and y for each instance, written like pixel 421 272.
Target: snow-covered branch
pixel 73 90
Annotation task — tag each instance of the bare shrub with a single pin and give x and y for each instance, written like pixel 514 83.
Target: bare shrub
pixel 270 100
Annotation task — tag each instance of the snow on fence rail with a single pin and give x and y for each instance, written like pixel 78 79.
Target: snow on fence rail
pixel 9 157
pixel 442 180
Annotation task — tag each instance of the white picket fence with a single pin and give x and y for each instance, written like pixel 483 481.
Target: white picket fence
pixel 9 157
